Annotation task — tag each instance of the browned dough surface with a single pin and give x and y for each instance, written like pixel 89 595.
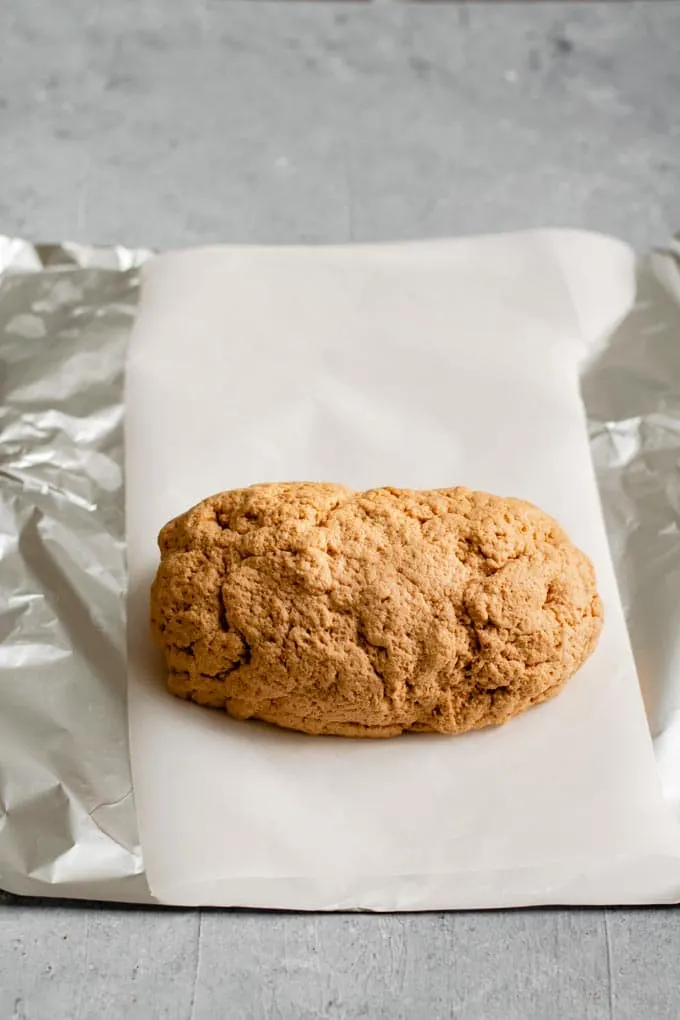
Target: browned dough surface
pixel 367 614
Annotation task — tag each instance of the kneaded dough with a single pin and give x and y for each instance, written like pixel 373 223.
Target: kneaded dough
pixel 367 614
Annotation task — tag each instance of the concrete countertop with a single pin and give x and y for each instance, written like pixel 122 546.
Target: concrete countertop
pixel 172 124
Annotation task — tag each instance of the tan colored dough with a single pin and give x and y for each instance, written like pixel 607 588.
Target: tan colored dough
pixel 367 614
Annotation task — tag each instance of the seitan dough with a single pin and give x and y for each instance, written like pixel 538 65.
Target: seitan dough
pixel 367 614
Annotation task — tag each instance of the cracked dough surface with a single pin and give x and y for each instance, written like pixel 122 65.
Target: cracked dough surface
pixel 367 614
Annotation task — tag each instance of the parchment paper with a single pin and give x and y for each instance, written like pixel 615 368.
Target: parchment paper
pixel 418 365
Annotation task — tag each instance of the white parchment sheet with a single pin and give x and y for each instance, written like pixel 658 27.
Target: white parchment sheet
pixel 422 365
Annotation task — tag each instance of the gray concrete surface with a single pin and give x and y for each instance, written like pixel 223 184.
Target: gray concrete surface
pixel 175 123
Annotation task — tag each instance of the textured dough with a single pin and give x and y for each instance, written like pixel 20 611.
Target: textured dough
pixel 367 614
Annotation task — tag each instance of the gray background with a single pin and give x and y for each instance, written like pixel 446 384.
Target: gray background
pixel 181 122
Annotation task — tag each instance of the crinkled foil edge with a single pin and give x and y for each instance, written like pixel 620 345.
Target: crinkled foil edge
pixel 67 819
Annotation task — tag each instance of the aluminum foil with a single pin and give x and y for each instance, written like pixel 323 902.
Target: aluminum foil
pixel 632 395
pixel 67 821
